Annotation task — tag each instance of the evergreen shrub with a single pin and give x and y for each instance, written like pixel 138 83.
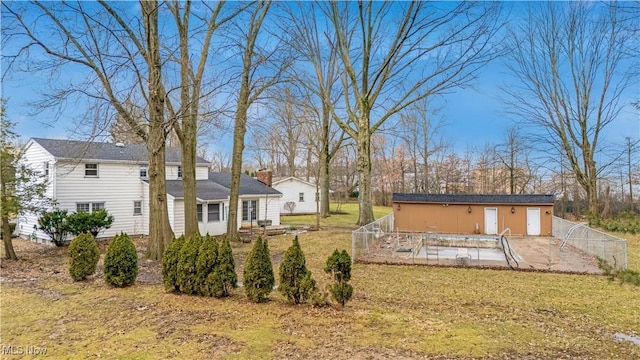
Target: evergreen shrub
pixel 258 278
pixel 121 262
pixel 170 259
pixel 84 254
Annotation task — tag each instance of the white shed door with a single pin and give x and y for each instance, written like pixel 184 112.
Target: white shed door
pixel 491 221
pixel 533 221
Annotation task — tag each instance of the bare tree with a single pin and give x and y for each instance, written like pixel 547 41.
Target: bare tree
pixel 395 54
pixel 123 61
pixel 570 62
pixel 312 41
pixel 261 69
pixel 186 116
pixel 420 131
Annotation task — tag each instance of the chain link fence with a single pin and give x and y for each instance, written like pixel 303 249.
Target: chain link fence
pixel 575 248
pixel 591 241
pixel 363 238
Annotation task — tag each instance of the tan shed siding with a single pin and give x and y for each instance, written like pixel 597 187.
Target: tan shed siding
pixel 117 185
pixel 455 218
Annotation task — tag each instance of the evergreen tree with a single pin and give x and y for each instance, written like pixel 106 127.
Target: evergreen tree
pixel 207 265
pixel 187 271
pixel 296 282
pixel 225 277
pixel 121 262
pixel 339 266
pixel 258 276
pixel 170 259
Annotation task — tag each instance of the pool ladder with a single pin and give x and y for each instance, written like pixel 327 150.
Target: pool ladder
pixel 506 248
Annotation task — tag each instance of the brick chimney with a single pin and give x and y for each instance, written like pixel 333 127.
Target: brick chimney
pixel 265 176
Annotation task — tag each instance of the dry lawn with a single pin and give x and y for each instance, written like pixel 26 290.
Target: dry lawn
pixel 398 312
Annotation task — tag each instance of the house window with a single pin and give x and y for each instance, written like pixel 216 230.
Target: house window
pixel 137 207
pixel 199 211
pixel 91 170
pixel 179 172
pixel 249 207
pixel 89 207
pixel 143 171
pixel 46 168
pixel 214 212
pixel 301 197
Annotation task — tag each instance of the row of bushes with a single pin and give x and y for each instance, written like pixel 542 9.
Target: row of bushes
pixel 58 223
pixel 625 223
pixel 120 261
pixel 205 266
pixel 200 266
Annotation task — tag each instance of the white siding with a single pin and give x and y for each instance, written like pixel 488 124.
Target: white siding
pixel 117 185
pixel 291 189
pixel 214 227
pixel 145 208
pixel 177 215
pixel 268 205
pixel 202 172
pixel 35 156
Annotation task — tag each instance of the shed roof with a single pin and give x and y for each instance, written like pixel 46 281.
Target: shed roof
pixel 89 150
pixel 474 198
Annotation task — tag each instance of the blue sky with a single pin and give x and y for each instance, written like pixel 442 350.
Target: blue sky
pixel 475 115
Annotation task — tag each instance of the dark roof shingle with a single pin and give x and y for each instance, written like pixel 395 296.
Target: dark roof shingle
pixel 474 198
pixel 87 150
pixel 218 187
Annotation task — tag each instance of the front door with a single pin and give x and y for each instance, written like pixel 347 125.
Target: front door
pixel 491 221
pixel 533 221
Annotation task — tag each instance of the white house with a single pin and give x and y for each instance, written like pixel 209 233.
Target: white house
pixel 298 196
pixel 84 176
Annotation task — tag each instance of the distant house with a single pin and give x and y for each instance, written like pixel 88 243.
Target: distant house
pixel 298 196
pixel 85 176
pixel 473 214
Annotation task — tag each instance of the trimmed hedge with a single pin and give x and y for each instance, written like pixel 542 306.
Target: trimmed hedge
pixel 224 275
pixel 206 265
pixel 121 262
pixel 84 254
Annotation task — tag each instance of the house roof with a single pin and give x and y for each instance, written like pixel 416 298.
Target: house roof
pixel 248 185
pixel 473 198
pixel 217 187
pixel 293 178
pixel 88 150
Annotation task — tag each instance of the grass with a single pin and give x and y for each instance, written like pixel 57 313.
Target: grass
pixel 347 217
pixel 396 312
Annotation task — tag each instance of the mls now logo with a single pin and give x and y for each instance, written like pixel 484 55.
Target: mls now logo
pixel 21 350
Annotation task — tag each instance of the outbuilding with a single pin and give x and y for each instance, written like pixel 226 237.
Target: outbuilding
pixel 529 215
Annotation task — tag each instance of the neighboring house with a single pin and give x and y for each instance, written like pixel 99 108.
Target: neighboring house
pixel 84 176
pixel 473 214
pixel 298 196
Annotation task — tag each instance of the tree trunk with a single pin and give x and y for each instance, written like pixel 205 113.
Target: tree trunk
pixel 239 131
pixel 9 253
pixel 160 233
pixel 365 213
pixel 324 183
pixel 189 176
